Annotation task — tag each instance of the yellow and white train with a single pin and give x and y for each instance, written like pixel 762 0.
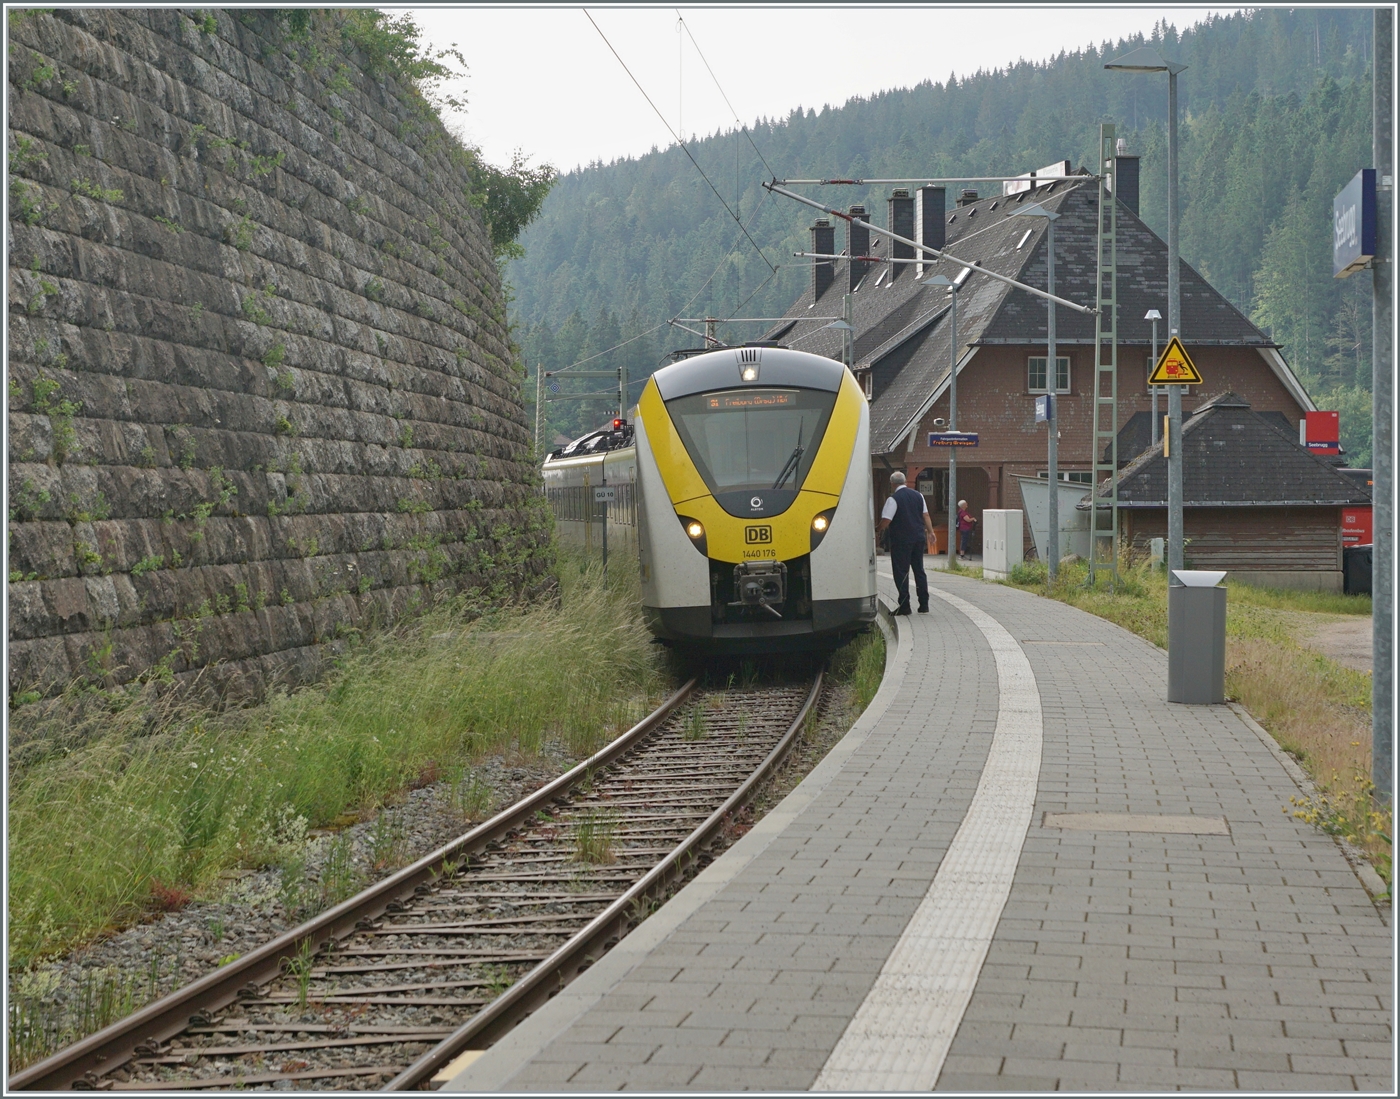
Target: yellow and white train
pixel 744 482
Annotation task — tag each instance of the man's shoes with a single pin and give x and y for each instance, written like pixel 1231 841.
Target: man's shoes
pixel 923 610
pixel 902 610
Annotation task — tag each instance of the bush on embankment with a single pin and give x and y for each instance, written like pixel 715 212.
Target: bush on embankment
pixel 95 835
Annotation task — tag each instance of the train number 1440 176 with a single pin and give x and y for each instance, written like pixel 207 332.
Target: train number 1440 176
pixel 758 535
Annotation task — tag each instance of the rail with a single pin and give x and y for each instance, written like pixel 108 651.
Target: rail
pixel 652 778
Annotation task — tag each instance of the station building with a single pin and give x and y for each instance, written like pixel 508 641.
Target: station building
pixel 1256 503
pixel 902 335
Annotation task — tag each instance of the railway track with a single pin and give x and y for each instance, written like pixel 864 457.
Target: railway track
pixel 387 988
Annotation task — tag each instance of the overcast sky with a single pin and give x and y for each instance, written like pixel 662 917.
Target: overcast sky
pixel 542 79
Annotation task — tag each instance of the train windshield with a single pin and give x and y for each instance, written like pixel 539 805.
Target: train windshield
pixel 747 439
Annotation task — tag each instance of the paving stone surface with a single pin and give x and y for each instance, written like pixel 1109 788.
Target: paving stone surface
pixel 1122 960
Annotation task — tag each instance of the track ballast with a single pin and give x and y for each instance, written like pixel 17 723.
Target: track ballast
pixel 386 989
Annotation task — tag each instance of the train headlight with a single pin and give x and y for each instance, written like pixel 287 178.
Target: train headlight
pixel 749 374
pixel 695 531
pixel 821 523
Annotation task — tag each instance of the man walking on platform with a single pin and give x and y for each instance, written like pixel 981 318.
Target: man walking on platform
pixel 905 515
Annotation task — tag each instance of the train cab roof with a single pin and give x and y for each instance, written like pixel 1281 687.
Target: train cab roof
pixel 752 365
pixel 612 437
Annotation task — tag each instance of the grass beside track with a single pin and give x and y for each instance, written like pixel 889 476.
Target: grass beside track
pixel 408 682
pixel 138 821
pixel 1317 710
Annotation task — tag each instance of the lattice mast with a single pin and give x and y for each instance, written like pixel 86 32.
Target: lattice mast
pixel 1103 529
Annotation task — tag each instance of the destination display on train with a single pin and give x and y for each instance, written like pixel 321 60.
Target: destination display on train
pixel 750 398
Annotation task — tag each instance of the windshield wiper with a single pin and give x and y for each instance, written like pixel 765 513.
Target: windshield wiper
pixel 794 459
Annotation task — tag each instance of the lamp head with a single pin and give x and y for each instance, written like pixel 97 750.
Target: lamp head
pixel 1152 315
pixel 939 280
pixel 1144 60
pixel 1035 211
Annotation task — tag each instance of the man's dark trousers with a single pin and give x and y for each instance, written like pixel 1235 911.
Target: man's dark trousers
pixel 905 555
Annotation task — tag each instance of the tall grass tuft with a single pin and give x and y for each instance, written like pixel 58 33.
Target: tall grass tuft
pixel 862 664
pixel 695 728
pixel 91 831
pixel 594 833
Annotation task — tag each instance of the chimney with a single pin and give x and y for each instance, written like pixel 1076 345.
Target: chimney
pixel 901 222
pixel 931 221
pixel 1125 180
pixel 823 270
pixel 857 244
pixel 967 198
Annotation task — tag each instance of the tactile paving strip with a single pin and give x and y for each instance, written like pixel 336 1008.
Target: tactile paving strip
pixel 901 1033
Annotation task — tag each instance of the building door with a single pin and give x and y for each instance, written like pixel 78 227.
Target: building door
pixel 974 486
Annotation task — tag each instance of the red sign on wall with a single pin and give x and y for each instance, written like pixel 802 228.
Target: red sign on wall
pixel 1324 432
pixel 1356 526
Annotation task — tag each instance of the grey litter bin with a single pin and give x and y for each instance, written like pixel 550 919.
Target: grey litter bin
pixel 1196 638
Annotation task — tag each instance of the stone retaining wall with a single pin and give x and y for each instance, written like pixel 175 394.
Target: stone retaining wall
pixel 260 383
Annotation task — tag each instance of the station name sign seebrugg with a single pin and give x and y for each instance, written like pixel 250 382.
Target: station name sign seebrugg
pixel 1354 224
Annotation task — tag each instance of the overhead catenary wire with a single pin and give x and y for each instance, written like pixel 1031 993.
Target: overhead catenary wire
pixel 609 351
pixel 856 259
pixel 742 127
pixel 684 148
pixel 922 179
pixel 744 227
pixel 663 324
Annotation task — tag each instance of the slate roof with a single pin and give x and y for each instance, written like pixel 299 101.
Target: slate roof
pixel 1135 436
pixel 1233 456
pixel 901 327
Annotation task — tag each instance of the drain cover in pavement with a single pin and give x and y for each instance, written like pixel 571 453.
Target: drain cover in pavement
pixel 1138 822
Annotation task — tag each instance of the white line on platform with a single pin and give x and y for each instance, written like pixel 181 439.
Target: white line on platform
pixel 901 1034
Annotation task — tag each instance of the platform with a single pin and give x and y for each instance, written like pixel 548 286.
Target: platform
pixel 1021 870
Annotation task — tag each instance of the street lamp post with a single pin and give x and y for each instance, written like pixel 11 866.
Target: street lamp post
pixel 1383 393
pixel 1148 60
pixel 1154 317
pixel 943 280
pixel 1052 378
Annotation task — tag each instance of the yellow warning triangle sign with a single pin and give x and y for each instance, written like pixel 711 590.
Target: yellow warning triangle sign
pixel 1175 367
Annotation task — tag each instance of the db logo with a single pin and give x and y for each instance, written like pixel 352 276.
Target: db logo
pixel 758 535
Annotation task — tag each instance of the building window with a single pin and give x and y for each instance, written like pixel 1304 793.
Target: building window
pixel 1035 374
pixel 933 483
pixel 869 381
pixel 1073 476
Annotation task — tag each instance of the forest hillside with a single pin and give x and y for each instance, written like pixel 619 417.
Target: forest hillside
pixel 1276 117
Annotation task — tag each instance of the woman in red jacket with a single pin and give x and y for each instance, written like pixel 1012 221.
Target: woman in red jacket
pixel 965 524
